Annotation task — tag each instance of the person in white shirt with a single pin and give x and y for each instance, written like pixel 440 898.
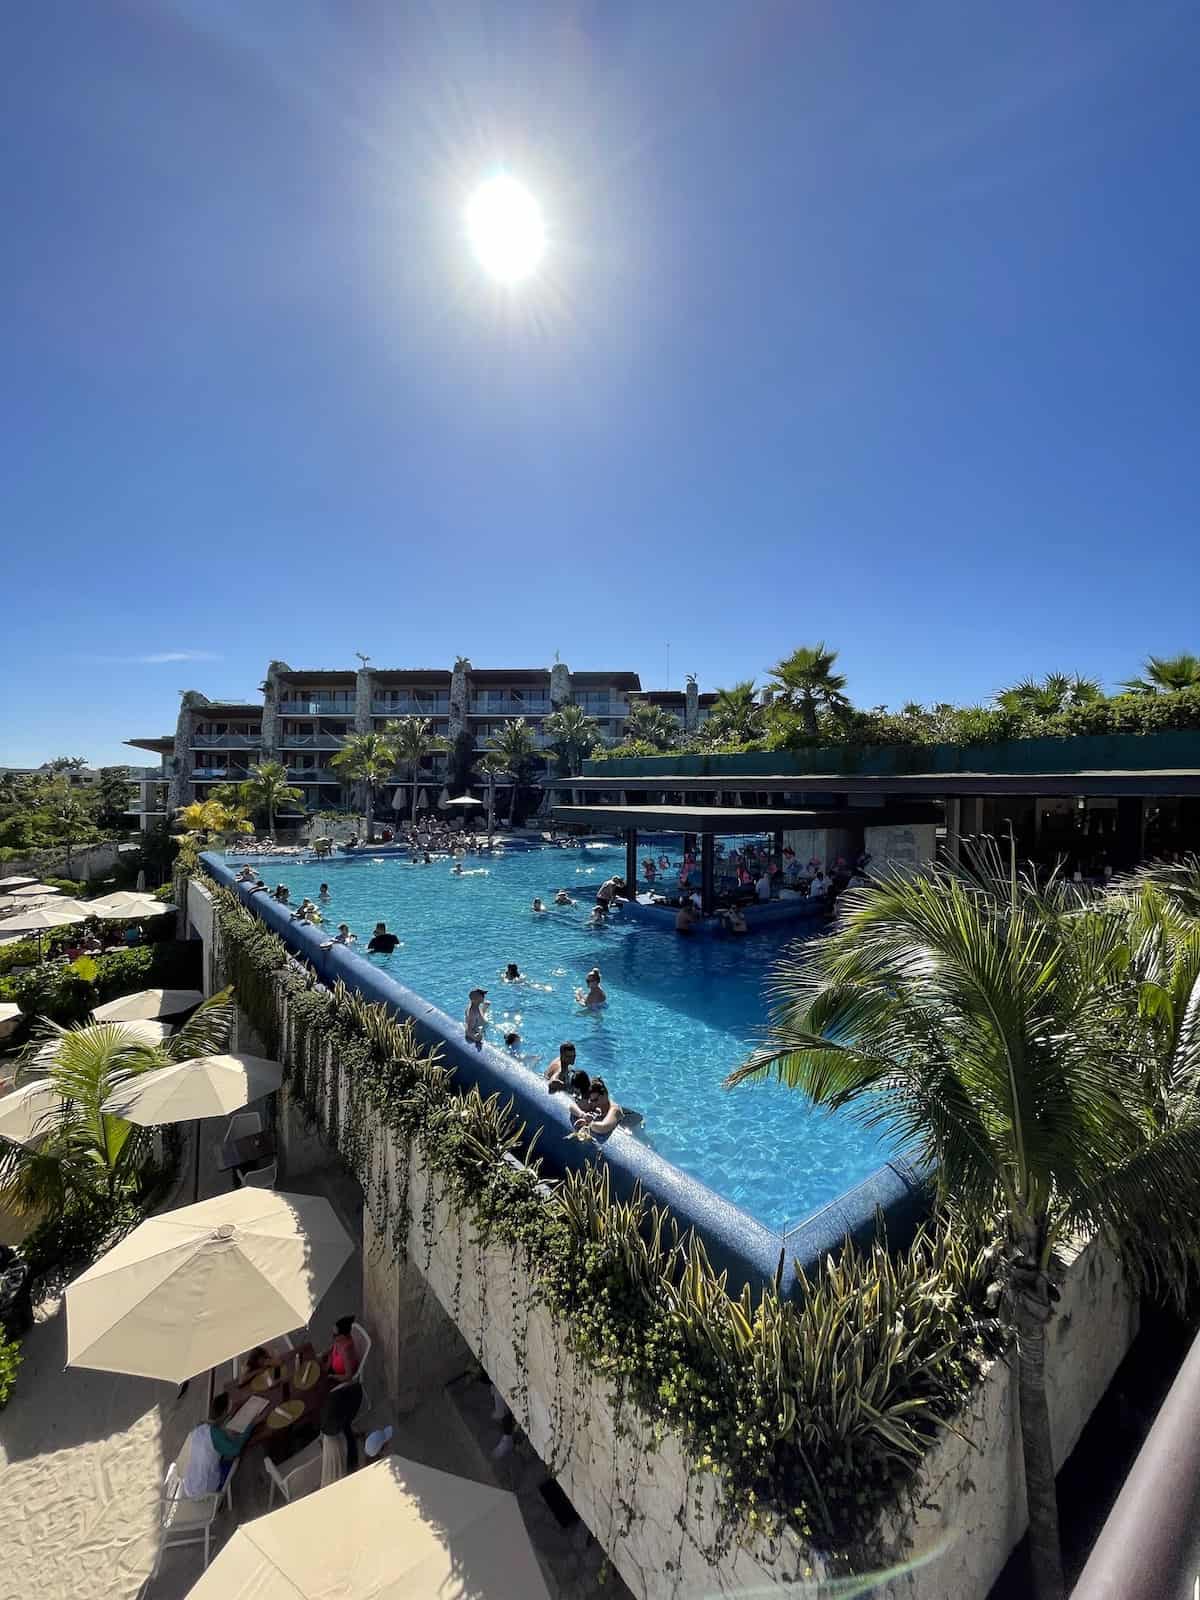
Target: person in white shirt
pixel 818 888
pixel 763 887
pixel 212 1450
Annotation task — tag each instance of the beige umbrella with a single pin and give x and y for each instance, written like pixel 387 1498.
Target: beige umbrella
pixel 23 1112
pixel 463 800
pixel 16 881
pixel 35 891
pixel 38 918
pixel 206 1086
pixel 126 906
pixel 148 1033
pixel 10 1015
pixel 392 1531
pixel 148 1003
pixel 191 1288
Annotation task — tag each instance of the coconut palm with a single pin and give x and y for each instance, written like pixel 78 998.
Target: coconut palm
pixel 808 684
pixel 367 758
pixel 412 740
pixel 85 1152
pixel 512 751
pixel 573 736
pixel 735 714
pixel 1166 674
pixel 651 724
pixel 266 789
pixel 1045 697
pixel 986 1024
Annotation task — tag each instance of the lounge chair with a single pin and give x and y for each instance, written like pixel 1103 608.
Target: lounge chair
pixel 184 1519
pixel 299 1475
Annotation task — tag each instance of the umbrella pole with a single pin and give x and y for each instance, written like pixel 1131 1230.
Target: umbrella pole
pixel 196 1169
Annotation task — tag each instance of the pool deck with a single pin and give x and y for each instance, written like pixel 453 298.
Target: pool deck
pixel 737 1242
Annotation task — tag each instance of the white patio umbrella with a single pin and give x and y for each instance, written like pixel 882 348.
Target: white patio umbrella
pixel 464 800
pixel 191 1288
pixel 443 800
pixel 34 891
pixel 15 881
pixel 37 919
pixel 125 906
pixel 148 1003
pixel 22 1112
pixel 140 1033
pixel 10 1015
pixel 391 1531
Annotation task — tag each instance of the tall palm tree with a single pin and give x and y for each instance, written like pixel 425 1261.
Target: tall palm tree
pixel 513 751
pixel 413 739
pixel 808 684
pixel 735 713
pixel 1165 674
pixel 1057 691
pixel 367 758
pixel 266 789
pixel 651 724
pixel 984 1023
pixel 573 736
pixel 214 818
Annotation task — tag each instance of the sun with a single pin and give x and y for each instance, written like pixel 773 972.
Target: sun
pixel 505 227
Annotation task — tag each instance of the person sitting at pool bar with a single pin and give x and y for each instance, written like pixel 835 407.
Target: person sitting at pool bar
pixel 734 921
pixel 686 917
pixel 599 1112
pixel 559 1071
pixel 763 887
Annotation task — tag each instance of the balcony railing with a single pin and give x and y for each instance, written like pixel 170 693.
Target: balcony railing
pixel 412 706
pixel 316 707
pixel 611 706
pixel 220 774
pixel 226 741
pixel 311 741
pixel 314 775
pixel 507 706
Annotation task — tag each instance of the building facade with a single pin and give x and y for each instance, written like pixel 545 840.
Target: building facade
pixel 305 717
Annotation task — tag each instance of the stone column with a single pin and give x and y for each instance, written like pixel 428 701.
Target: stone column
pixel 364 688
pixel 271 699
pixel 460 690
pixel 691 713
pixel 191 705
pixel 560 686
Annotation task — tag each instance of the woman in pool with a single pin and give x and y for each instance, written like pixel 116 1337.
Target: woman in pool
pixel 599 1112
pixel 593 995
pixel 512 973
pixel 539 908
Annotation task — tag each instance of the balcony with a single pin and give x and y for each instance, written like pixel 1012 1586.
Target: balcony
pixel 314 775
pixel 226 741
pixel 412 706
pixel 311 741
pixel 220 774
pixel 608 706
pixel 316 707
pixel 503 705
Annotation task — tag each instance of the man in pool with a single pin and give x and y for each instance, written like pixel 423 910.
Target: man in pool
pixel 593 995
pixel 382 942
pixel 342 936
pixel 686 917
pixel 562 898
pixel 538 908
pixel 558 1073
pixel 476 1016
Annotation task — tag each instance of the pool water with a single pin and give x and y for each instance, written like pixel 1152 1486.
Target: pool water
pixel 680 1013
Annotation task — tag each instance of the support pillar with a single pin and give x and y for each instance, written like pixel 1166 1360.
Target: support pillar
pixel 631 877
pixel 708 895
pixel 953 830
pixel 777 849
pixel 1130 837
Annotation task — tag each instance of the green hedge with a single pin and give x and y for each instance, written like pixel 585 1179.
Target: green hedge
pixel 61 993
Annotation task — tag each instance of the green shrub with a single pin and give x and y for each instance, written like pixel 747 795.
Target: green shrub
pixel 78 1235
pixel 64 995
pixel 10 1360
pixel 68 886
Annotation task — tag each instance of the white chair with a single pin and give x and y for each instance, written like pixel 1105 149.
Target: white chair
pixel 261 1177
pixel 299 1475
pixel 185 1519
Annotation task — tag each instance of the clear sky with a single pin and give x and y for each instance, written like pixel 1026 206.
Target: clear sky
pixel 860 321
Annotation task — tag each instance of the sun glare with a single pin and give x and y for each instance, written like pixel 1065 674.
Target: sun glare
pixel 505 227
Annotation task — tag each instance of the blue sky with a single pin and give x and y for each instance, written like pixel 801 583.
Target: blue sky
pixel 863 322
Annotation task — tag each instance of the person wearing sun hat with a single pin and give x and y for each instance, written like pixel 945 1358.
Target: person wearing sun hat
pixel 475 1020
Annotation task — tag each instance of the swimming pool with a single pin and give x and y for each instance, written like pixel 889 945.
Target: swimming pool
pixel 680 1013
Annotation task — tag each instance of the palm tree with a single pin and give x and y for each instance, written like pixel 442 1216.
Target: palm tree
pixel 808 684
pixel 213 817
pixel 735 713
pixel 1166 674
pixel 266 789
pixel 512 751
pixel 367 758
pixel 983 1022
pixel 1057 691
pixel 573 736
pixel 651 724
pixel 413 739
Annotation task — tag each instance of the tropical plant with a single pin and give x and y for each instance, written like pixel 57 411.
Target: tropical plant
pixel 652 725
pixel 985 1021
pixel 413 739
pixel 1046 697
pixel 573 736
pixel 367 758
pixel 213 819
pixel 1166 675
pixel 735 715
pixel 512 750
pixel 806 684
pixel 10 1360
pixel 266 789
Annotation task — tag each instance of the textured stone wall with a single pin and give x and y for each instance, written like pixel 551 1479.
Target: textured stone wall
pixel 560 685
pixel 190 707
pixel 364 687
pixel 907 845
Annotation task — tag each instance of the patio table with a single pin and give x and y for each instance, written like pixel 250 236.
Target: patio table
pixel 244 1152
pixel 278 1442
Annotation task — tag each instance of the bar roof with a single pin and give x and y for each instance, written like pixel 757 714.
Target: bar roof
pixel 160 746
pixel 345 676
pixel 605 680
pixel 934 785
pixel 735 819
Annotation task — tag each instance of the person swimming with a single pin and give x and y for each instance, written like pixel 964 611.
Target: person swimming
pixel 562 898
pixel 475 1019
pixel 538 907
pixel 512 973
pixel 593 995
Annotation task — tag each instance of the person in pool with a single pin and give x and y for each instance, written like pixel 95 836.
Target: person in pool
pixel 562 898
pixel 593 995
pixel 538 908
pixel 558 1073
pixel 512 973
pixel 599 916
pixel 342 936
pixel 323 891
pixel 476 1016
pixel 599 1113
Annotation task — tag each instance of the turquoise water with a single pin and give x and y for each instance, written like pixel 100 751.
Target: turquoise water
pixel 680 1013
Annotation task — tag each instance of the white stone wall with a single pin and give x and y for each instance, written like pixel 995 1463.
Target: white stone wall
pixel 905 845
